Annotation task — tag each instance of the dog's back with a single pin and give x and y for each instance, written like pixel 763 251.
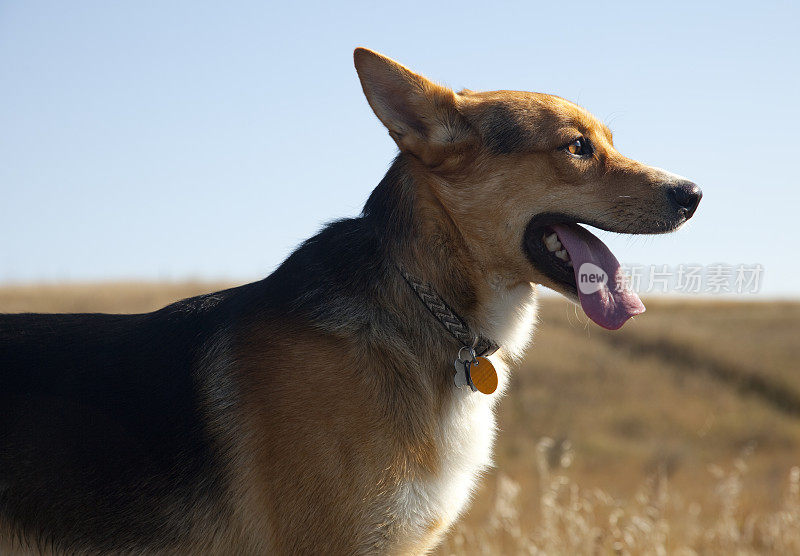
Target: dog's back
pixel 99 418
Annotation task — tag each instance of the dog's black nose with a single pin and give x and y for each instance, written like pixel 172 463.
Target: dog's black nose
pixel 686 195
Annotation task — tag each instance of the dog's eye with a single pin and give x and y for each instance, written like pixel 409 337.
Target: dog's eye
pixel 579 147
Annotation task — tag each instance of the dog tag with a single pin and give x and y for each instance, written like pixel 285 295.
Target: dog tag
pixel 483 375
pixel 460 378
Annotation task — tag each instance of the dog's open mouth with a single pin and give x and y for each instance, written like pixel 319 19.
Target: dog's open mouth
pixel 580 265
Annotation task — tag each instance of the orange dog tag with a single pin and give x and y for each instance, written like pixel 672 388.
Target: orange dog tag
pixel 483 375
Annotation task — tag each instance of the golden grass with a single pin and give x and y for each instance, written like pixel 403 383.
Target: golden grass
pixel 678 434
pixel 657 519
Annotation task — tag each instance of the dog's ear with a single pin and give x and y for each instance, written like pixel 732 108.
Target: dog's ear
pixel 422 117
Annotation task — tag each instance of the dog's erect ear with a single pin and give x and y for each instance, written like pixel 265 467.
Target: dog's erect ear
pixel 422 117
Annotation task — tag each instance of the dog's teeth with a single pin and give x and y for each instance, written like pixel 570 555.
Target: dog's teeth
pixel 563 255
pixel 552 243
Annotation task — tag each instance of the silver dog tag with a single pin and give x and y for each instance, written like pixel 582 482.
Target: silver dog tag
pixel 460 378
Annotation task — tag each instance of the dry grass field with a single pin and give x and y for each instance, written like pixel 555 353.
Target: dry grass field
pixel 678 434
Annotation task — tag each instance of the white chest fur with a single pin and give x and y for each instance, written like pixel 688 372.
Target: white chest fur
pixel 510 317
pixel 466 429
pixel 429 505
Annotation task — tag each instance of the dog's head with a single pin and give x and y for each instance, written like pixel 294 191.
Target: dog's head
pixel 517 172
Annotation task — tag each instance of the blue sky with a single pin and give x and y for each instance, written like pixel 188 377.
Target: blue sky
pixel 176 140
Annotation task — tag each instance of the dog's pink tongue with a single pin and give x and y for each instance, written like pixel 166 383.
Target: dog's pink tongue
pixel 602 287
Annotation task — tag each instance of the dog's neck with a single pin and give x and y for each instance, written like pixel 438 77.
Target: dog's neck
pixel 420 235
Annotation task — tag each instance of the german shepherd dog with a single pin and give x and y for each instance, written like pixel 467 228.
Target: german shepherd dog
pixel 336 406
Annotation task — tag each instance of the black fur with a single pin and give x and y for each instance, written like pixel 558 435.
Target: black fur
pixel 103 430
pixel 503 130
pixel 100 417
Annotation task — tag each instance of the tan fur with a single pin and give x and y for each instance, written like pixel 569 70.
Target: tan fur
pixel 320 467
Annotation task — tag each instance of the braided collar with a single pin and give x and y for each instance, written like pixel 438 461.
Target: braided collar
pixel 448 318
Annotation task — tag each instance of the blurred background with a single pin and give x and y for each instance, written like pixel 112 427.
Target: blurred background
pixel 151 151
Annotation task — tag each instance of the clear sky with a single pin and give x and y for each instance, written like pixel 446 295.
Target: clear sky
pixel 176 140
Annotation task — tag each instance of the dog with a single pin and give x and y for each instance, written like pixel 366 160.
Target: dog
pixel 344 404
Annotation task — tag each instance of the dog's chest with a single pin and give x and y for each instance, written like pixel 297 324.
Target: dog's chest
pixel 427 506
